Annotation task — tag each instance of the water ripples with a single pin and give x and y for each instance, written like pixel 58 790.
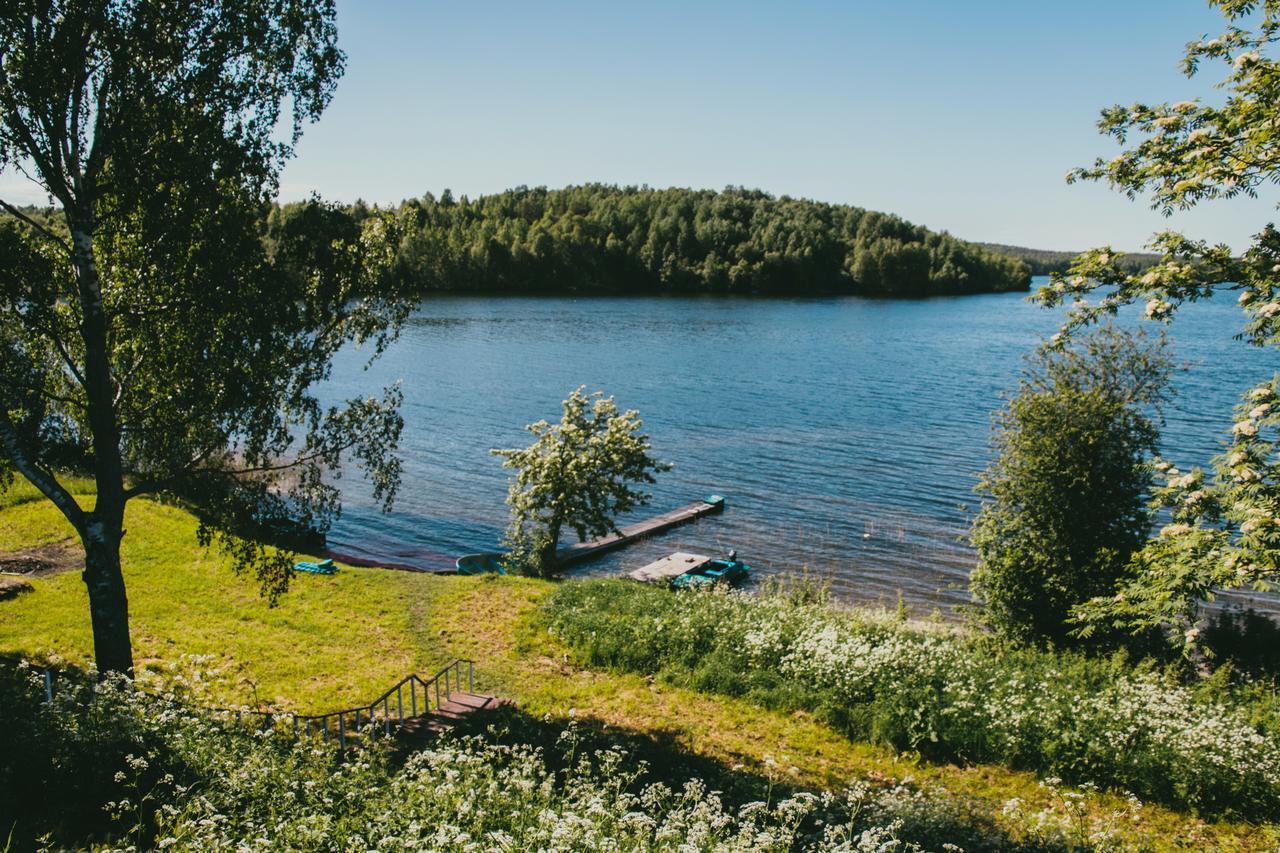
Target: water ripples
pixel 847 434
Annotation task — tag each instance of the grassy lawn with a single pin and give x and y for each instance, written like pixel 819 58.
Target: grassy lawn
pixel 331 641
pixel 337 640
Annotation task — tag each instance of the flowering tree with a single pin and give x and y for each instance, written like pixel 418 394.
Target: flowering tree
pixel 578 474
pixel 1226 522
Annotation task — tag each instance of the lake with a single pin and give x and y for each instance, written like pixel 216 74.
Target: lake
pixel 845 433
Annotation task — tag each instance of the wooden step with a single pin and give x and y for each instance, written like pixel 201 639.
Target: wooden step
pixel 458 707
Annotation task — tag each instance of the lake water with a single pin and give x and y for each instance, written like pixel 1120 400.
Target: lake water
pixel 845 433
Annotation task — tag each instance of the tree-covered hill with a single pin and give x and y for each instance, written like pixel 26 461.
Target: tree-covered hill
pixel 598 238
pixel 1045 261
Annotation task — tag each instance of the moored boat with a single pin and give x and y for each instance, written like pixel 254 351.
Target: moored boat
pixel 479 564
pixel 731 572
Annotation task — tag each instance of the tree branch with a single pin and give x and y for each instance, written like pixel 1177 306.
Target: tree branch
pixel 37 474
pixel 15 211
pixel 148 486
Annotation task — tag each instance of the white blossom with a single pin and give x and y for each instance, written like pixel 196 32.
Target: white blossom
pixel 1245 59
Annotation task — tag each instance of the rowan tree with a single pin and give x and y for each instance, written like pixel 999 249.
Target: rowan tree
pixel 1225 530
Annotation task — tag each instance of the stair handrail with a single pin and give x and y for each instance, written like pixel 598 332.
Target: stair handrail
pixel 306 722
pixel 413 680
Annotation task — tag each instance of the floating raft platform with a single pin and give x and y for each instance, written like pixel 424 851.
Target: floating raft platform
pixel 583 551
pixel 669 568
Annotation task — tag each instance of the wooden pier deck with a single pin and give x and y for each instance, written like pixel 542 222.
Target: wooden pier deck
pixel 685 514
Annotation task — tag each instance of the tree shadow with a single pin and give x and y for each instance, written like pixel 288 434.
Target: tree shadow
pixel 659 758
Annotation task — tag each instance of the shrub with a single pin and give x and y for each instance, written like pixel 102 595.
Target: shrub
pixel 106 764
pixel 1065 496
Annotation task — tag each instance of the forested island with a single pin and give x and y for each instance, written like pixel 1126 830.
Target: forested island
pixel 598 238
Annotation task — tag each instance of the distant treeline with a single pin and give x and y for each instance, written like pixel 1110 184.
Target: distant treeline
pixel 598 238
pixel 1044 262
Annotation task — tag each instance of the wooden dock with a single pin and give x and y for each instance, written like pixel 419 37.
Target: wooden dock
pixel 685 514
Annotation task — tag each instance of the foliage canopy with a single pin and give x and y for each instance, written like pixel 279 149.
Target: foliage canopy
pixel 601 238
pixel 1226 527
pixel 1066 493
pixel 148 335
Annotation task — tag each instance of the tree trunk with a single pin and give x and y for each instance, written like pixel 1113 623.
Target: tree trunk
pixel 547 563
pixel 108 604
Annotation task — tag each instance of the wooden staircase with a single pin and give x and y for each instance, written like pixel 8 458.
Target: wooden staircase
pixel 461 707
pixel 414 707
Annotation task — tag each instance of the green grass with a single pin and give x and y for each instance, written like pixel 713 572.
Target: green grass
pixel 334 641
pixel 331 641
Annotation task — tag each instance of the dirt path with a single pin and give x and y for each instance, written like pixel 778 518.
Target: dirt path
pixel 43 560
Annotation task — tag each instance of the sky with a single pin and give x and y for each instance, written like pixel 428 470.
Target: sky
pixel 961 116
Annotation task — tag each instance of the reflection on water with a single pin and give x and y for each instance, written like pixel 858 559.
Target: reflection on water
pixel 845 433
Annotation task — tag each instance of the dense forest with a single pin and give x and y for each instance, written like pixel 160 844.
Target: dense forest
pixel 1045 261
pixel 598 238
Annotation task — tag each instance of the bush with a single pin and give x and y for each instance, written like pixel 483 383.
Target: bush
pixel 1066 494
pixel 951 696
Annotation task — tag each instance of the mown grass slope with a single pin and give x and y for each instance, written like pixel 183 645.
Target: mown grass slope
pixel 333 641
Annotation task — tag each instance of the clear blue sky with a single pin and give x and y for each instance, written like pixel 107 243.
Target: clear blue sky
pixel 961 116
pixel 957 115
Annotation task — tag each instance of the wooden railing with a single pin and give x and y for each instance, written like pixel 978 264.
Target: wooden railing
pixel 411 697
pixel 389 709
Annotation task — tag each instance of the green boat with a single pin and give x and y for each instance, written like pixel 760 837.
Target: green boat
pixel 731 572
pixel 480 564
pixel 324 567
